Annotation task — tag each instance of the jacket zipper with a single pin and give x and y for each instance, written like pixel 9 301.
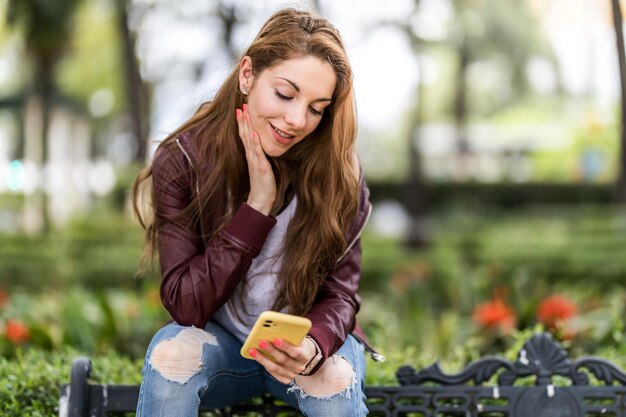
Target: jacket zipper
pixel 180 145
pixel 377 357
pixel 358 235
pixel 200 205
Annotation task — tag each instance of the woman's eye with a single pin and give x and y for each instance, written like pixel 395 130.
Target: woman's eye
pixel 316 112
pixel 282 96
pixel 287 98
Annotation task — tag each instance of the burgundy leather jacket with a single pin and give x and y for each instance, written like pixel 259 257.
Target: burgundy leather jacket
pixel 198 278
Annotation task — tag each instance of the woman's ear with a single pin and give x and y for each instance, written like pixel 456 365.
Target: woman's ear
pixel 245 73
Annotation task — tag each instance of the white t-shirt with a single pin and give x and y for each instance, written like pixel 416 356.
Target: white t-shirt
pixel 260 283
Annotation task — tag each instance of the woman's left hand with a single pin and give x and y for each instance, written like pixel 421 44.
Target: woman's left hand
pixel 289 360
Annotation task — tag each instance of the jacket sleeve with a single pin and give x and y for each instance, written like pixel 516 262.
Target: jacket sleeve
pixel 198 280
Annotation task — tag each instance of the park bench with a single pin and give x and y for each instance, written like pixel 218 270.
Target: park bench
pixel 542 382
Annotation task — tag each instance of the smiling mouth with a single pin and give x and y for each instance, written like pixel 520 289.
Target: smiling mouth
pixel 282 133
pixel 281 137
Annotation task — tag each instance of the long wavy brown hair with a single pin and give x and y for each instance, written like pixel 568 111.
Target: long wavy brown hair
pixel 321 170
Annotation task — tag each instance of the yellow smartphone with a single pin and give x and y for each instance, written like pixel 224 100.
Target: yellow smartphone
pixel 271 325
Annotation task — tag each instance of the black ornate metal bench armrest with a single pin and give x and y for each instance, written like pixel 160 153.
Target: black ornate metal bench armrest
pixel 540 357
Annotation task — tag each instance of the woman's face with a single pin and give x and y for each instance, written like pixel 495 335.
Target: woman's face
pixel 286 101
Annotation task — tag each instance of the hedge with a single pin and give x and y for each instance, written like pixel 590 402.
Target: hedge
pixel 30 383
pixel 449 194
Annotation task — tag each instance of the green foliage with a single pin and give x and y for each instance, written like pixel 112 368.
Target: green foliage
pixel 76 287
pixel 522 256
pixel 30 383
pixel 46 25
pixel 98 252
pixel 530 254
pixel 548 245
pixel 484 198
pixel 590 157
pixel 96 59
pixel 498 39
pixel 89 321
pixel 45 28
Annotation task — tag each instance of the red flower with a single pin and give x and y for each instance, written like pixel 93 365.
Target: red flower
pixel 554 310
pixel 495 314
pixel 16 331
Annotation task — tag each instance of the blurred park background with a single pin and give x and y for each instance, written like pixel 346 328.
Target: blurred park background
pixel 491 134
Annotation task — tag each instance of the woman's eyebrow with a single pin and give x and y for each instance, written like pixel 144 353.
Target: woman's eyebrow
pixel 295 86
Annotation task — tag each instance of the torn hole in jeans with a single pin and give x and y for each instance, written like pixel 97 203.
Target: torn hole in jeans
pixel 179 358
pixel 335 377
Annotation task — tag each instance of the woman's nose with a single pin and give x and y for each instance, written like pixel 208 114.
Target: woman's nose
pixel 296 119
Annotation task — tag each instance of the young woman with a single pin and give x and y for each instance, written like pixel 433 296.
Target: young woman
pixel 257 204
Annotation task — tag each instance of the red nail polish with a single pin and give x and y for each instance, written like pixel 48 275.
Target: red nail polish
pixel 263 344
pixel 245 107
pixel 253 353
pixel 238 112
pixel 278 342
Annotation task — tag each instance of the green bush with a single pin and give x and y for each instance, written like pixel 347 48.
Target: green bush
pixel 530 254
pixel 98 252
pixel 30 384
pixel 443 195
pixel 90 321
pixel 522 256
pixel 471 253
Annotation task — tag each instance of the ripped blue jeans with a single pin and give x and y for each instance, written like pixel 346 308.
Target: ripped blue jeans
pixel 185 365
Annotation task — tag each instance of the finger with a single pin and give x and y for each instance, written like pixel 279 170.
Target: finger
pixel 257 148
pixel 280 373
pixel 244 125
pixel 284 379
pixel 295 352
pixel 241 125
pixel 259 159
pixel 290 366
pixel 279 356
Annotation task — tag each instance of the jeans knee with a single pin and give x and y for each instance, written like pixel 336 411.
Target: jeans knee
pixel 335 377
pixel 179 358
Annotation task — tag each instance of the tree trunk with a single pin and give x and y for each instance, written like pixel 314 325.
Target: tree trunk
pixel 46 111
pixel 621 181
pixel 460 102
pixel 32 211
pixel 228 16
pixel 137 101
pixel 316 6
pixel 418 234
pixel 37 108
pixel 44 87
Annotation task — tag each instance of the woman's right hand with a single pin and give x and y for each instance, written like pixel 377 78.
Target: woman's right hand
pixel 262 181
